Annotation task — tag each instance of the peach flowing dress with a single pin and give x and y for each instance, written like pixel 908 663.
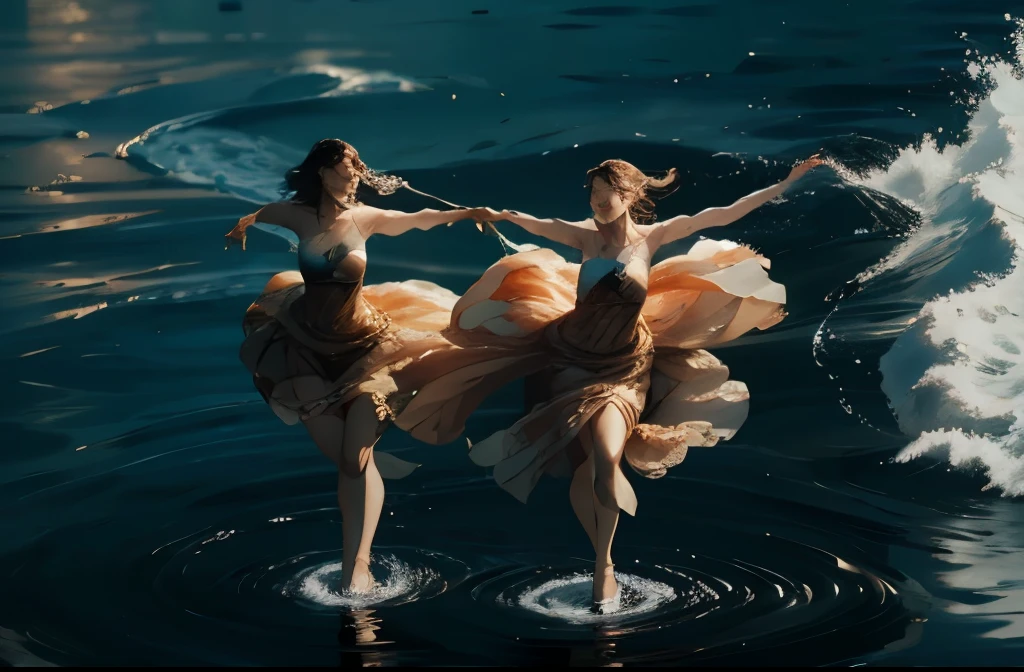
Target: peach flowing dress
pixel 533 311
pixel 316 339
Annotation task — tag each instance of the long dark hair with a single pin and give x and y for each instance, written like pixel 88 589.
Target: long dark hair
pixel 630 182
pixel 304 181
pixel 306 186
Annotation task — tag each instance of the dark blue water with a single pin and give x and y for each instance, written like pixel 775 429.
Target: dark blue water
pixel 156 512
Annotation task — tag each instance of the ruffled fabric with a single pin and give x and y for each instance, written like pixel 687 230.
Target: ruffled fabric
pixel 390 346
pixel 673 394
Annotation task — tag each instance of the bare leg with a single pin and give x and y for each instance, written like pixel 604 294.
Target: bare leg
pixel 581 496
pixel 349 444
pixel 360 492
pixel 604 439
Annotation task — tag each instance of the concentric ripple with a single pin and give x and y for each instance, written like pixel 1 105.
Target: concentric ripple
pixel 569 599
pixel 721 608
pixel 250 572
pixel 651 597
pixel 395 582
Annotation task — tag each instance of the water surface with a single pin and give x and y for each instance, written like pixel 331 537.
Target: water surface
pixel 158 513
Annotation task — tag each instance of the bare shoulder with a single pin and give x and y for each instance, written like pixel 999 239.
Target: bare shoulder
pixel 652 233
pixel 288 211
pixel 586 230
pixel 364 217
pixel 362 210
pixel 299 218
pixel 367 213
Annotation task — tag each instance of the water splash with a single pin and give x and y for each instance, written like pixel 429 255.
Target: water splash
pixel 394 581
pixel 570 598
pixel 968 406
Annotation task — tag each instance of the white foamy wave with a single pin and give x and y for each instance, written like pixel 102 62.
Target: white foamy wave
pixel 570 599
pixel 395 580
pixel 919 179
pixel 249 167
pixel 1004 468
pixel 200 155
pixel 971 397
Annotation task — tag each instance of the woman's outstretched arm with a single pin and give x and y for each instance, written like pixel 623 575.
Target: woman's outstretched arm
pixel 558 230
pixel 281 214
pixel 395 222
pixel 682 226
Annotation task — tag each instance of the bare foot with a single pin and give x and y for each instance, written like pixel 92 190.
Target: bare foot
pixel 362 580
pixel 606 588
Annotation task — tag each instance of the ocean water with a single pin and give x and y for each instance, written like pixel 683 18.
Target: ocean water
pixel 156 512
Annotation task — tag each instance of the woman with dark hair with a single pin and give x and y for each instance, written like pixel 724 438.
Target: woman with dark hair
pixel 338 356
pixel 621 344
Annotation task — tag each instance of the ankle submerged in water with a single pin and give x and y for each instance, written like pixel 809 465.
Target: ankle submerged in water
pixel 607 591
pixel 362 580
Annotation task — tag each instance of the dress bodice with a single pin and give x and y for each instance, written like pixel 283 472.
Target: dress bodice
pixel 607 313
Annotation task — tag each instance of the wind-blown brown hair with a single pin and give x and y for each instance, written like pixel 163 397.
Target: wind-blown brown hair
pixel 631 184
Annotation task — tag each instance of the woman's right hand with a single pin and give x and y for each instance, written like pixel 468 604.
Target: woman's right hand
pixel 485 215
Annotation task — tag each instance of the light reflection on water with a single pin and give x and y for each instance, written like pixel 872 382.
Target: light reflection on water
pixel 131 430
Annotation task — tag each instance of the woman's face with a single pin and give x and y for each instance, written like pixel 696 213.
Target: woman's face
pixel 606 203
pixel 341 178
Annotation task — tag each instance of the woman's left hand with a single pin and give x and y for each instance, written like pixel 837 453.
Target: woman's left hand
pixel 484 215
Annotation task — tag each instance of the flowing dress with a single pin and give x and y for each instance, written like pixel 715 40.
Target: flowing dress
pixel 317 339
pixel 598 345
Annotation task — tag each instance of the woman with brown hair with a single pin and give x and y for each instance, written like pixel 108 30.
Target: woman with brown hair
pixel 621 341
pixel 334 354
